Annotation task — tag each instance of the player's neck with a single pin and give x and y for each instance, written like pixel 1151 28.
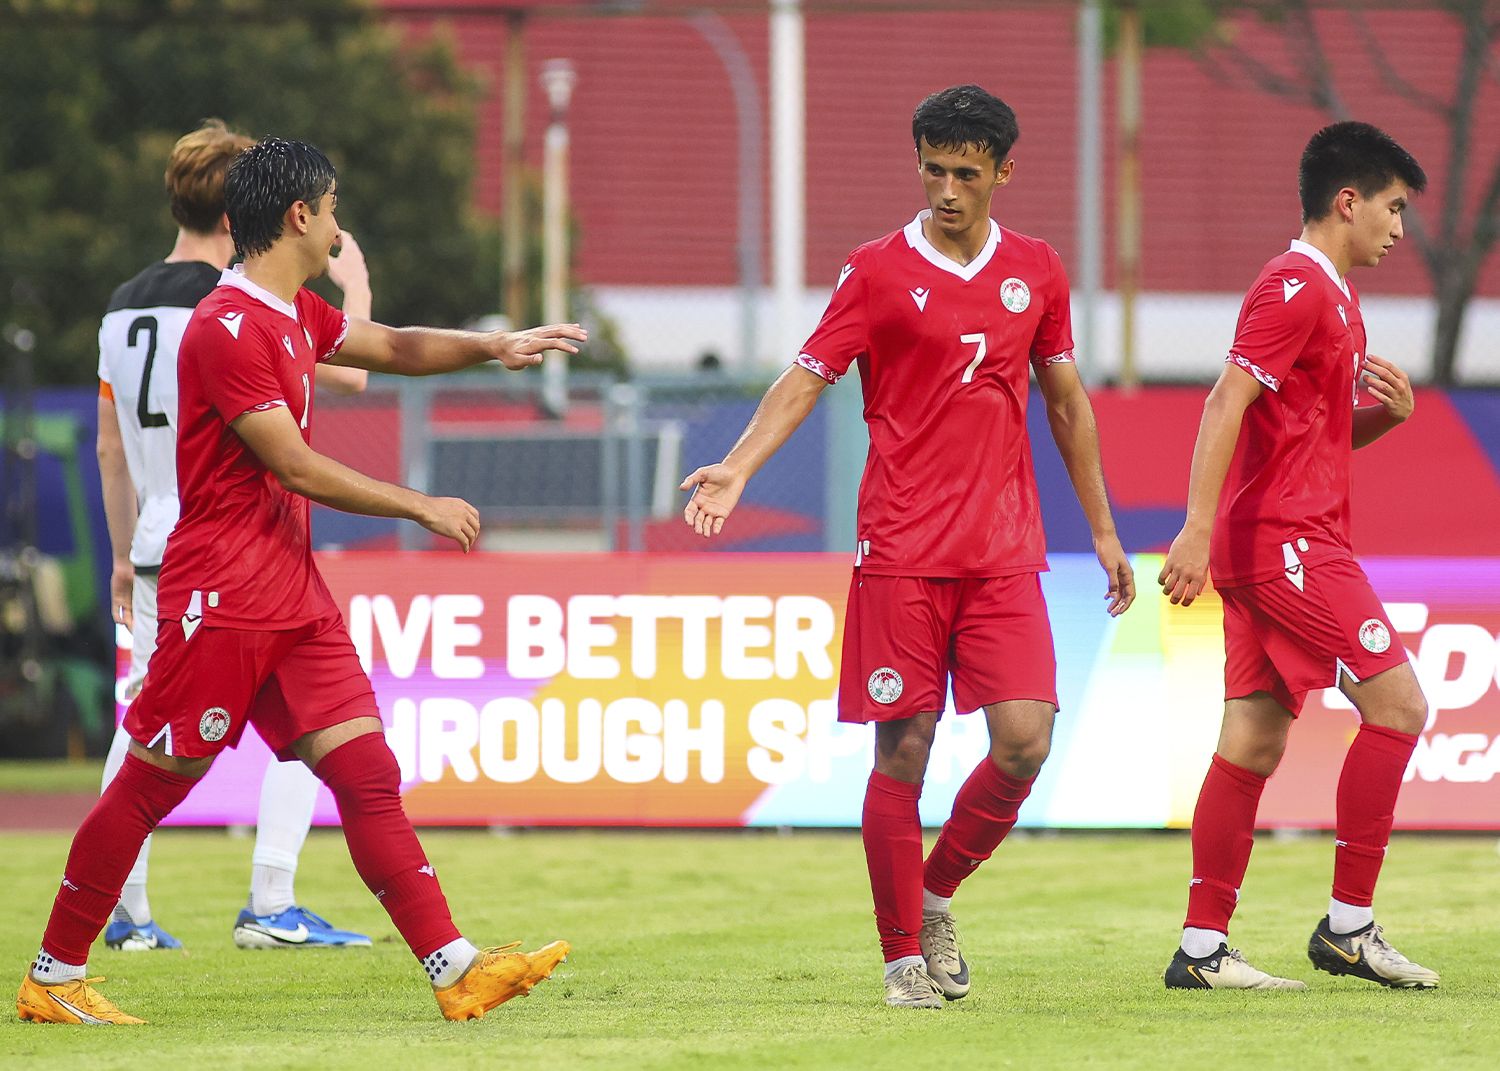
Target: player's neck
pixel 280 271
pixel 215 249
pixel 1331 245
pixel 961 248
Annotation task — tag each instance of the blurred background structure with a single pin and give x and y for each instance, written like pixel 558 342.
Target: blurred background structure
pixel 687 179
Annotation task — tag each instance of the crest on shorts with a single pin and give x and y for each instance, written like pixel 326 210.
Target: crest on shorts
pixel 214 724
pixel 885 685
pixel 1374 636
pixel 1015 295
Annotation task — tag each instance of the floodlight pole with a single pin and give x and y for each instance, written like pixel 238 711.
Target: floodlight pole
pixel 513 285
pixel 558 80
pixel 788 174
pixel 1088 278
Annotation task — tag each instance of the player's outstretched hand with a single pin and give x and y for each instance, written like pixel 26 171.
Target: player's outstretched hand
pixel 122 594
pixel 522 349
pixel 452 518
pixel 348 269
pixel 1390 387
pixel 1116 565
pixel 1186 569
pixel 716 489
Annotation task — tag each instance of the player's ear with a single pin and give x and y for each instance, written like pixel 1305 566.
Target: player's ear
pixel 1003 174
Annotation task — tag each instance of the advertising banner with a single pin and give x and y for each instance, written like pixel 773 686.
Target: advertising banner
pixel 699 690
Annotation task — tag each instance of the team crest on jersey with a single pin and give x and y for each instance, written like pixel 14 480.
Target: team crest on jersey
pixel 1015 295
pixel 1374 636
pixel 214 724
pixel 885 685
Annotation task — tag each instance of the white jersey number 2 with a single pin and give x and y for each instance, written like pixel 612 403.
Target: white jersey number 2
pixel 975 339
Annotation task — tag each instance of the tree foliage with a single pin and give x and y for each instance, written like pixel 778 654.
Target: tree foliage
pixel 93 95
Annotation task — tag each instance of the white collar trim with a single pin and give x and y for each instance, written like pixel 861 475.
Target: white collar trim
pixel 918 241
pixel 1320 258
pixel 235 277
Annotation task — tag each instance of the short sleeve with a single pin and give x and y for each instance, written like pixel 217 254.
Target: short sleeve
pixel 842 335
pixel 238 374
pixel 103 364
pixel 326 325
pixel 1275 324
pixel 1053 341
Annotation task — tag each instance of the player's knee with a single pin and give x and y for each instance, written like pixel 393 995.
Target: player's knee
pixel 1022 759
pixel 1410 714
pixel 904 759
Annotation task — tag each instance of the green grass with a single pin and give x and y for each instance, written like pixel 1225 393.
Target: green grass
pixel 757 951
pixel 50 775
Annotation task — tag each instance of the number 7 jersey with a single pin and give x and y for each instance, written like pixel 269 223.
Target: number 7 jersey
pixel 945 353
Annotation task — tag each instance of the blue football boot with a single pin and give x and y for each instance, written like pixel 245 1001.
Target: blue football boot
pixel 296 927
pixel 125 936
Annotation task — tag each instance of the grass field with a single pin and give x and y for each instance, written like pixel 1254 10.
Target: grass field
pixel 757 951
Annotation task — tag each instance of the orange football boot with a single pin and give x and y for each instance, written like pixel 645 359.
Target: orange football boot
pixel 75 1002
pixel 496 976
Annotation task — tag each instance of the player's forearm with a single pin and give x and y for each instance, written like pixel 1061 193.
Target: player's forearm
pixel 120 506
pixel 338 379
pixel 1217 434
pixel 780 412
pixel 1370 423
pixel 339 487
pixel 1077 438
pixel 430 351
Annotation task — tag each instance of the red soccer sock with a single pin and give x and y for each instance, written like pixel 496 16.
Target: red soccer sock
pixel 1368 786
pixel 104 850
pixel 366 785
pixel 983 813
pixel 1223 834
pixel 893 852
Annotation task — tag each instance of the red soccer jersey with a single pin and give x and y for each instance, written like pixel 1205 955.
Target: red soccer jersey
pixel 945 354
pixel 241 554
pixel 1285 502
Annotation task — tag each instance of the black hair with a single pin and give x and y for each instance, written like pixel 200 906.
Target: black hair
pixel 1352 154
pixel 267 179
pixel 966 115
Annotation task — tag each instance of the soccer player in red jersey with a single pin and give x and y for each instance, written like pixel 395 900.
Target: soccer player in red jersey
pixel 947 318
pixel 1268 514
pixel 248 630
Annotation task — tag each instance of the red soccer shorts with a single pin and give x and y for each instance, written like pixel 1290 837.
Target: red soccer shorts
pixel 904 636
pixel 1287 641
pixel 201 691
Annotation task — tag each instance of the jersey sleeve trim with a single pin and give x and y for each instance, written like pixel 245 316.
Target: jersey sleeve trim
pixel 338 343
pixel 1065 357
pixel 106 391
pixel 263 407
pixel 1266 379
pixel 817 368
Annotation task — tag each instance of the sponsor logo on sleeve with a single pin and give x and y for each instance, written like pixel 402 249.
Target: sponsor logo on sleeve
pixel 1290 288
pixel 844 273
pixel 231 322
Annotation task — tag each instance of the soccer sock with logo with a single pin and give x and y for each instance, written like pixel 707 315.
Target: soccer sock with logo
pixel 366 785
pixel 892 831
pixel 104 848
pixel 134 906
pixel 1223 834
pixel 288 794
pixel 1368 787
pixel 983 813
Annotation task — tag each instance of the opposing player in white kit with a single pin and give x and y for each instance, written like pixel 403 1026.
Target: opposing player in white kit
pixel 137 446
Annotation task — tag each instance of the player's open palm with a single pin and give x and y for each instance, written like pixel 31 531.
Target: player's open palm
pixel 522 349
pixel 454 519
pixel 1185 571
pixel 1117 567
pixel 716 489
